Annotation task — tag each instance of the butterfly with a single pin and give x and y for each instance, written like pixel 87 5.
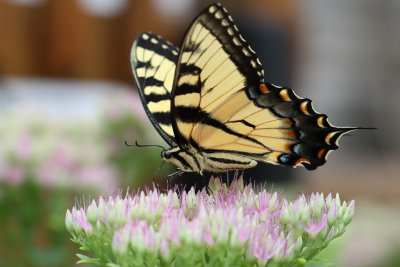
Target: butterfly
pixel 208 100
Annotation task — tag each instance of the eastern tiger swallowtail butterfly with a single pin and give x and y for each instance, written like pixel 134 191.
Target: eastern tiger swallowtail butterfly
pixel 210 103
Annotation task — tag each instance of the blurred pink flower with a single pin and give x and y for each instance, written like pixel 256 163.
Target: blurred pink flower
pixel 14 175
pixel 125 102
pixel 61 158
pixel 24 147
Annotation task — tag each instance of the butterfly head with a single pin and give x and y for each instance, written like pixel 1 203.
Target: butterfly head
pixel 181 159
pixel 166 155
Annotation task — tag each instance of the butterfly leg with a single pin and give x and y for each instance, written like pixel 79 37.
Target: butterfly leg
pixel 179 172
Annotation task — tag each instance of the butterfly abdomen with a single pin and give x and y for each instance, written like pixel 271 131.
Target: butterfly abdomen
pixel 196 161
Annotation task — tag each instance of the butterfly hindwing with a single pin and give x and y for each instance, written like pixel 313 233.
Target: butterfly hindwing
pixel 311 136
pixel 153 63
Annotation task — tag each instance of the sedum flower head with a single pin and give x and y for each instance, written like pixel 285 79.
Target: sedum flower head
pixel 219 226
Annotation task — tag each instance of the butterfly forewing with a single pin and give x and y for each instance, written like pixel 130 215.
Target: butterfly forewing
pixel 153 64
pixel 211 106
pixel 214 63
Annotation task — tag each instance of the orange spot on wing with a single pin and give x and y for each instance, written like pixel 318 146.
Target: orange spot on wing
pixel 303 108
pixel 300 160
pixel 289 122
pixel 321 153
pixel 263 88
pixel 328 137
pixel 284 95
pixel 288 147
pixel 320 122
pixel 291 134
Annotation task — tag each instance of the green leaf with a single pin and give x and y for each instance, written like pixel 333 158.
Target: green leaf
pixel 86 259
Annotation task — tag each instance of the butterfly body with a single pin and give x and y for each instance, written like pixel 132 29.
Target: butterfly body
pixel 210 103
pixel 192 160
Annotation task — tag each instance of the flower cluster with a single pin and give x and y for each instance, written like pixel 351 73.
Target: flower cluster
pixel 224 226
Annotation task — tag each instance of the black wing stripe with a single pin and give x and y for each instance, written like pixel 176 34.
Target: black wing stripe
pixel 157 98
pixel 188 89
pixel 228 161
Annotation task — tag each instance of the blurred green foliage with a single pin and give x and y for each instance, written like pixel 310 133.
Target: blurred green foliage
pixel 32 228
pixel 392 258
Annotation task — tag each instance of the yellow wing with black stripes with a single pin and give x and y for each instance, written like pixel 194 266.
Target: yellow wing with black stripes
pixel 222 108
pixel 153 63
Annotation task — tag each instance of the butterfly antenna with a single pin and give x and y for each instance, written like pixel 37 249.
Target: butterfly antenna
pixel 138 145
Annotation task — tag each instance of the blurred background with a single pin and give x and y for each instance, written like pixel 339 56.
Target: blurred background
pixel 68 102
